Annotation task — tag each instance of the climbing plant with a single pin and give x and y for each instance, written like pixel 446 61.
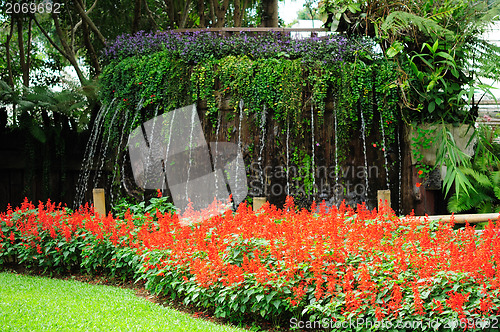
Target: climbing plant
pixel 271 72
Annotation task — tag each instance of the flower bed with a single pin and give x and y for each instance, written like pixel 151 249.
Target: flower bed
pixel 279 264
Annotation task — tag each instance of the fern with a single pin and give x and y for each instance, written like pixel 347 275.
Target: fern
pixel 484 177
pixel 485 57
pixel 398 21
pixel 71 103
pixel 483 200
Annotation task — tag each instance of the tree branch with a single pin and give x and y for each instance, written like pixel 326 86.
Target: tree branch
pixel 170 12
pixel 237 13
pixel 50 39
pixel 220 12
pixel 67 52
pixel 150 16
pixel 91 52
pixel 185 13
pixel 212 12
pixel 137 15
pixel 87 19
pixel 7 53
pixel 30 40
pixel 22 59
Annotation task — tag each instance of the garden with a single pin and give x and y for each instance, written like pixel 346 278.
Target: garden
pixel 242 168
pixel 285 265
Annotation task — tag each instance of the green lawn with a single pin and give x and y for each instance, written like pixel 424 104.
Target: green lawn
pixel 41 304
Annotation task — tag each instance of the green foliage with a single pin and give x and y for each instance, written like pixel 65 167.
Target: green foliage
pixel 397 21
pixel 34 104
pixel 422 141
pixel 298 264
pixel 284 83
pixel 449 154
pixel 99 256
pixel 304 179
pixel 484 176
pixel 438 48
pixel 486 199
pixel 142 211
pixel 437 85
pixel 437 44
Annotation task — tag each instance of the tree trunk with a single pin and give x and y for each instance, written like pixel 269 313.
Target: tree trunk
pixel 22 58
pixel 212 13
pixel 269 13
pixel 68 52
pixel 237 13
pixel 94 60
pixel 201 12
pixel 184 14
pixel 220 12
pixel 171 13
pixel 407 186
pixel 10 77
pixel 30 40
pixel 154 25
pixel 137 15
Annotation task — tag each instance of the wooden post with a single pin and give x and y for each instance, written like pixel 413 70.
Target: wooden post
pixel 99 202
pixel 258 202
pixel 383 196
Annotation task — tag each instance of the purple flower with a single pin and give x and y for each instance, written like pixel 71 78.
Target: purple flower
pixel 195 47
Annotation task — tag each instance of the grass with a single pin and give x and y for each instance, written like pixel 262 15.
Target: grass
pixel 30 303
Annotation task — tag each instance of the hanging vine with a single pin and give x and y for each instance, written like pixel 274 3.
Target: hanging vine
pixel 162 81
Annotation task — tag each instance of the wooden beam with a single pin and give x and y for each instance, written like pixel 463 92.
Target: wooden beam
pixel 243 29
pixel 463 218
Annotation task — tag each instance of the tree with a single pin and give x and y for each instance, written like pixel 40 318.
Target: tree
pixel 310 11
pixel 269 10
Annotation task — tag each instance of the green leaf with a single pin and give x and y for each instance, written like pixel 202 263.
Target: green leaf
pixel 270 296
pixel 446 56
pixel 431 107
pixel 354 7
pixel 392 52
pixel 435 46
pixel 37 132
